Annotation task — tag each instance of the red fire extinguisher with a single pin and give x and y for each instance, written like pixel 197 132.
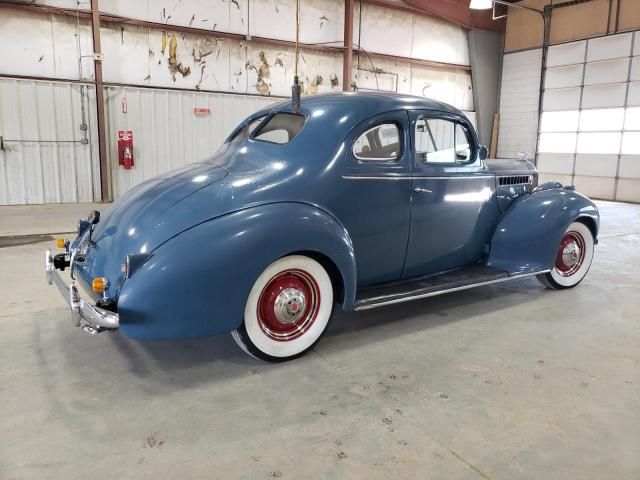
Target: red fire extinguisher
pixel 127 159
pixel 125 149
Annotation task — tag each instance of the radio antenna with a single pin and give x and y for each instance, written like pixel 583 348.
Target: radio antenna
pixel 295 89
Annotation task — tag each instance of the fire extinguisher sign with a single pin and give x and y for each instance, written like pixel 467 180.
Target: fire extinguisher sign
pixel 125 149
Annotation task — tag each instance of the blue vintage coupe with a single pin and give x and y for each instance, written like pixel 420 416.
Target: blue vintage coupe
pixel 360 199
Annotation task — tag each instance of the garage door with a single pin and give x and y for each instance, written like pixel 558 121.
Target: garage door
pixel 590 125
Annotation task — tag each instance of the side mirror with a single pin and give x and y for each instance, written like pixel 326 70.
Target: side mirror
pixel 483 152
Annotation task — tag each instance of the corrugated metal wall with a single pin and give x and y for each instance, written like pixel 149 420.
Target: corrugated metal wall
pixel 167 133
pixel 43 158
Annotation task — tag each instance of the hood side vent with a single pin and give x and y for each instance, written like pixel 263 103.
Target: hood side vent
pixel 515 180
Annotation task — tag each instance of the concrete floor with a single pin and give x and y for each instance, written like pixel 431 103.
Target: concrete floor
pixel 502 382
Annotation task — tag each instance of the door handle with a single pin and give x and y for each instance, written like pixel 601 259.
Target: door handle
pixel 422 190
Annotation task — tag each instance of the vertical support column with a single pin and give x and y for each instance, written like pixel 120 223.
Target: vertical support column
pixel 347 62
pixel 546 24
pixel 102 139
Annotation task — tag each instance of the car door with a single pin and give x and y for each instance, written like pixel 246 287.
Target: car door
pixel 453 205
pixel 374 198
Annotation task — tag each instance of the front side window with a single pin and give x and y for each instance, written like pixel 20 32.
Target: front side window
pixel 381 143
pixel 280 129
pixel 441 141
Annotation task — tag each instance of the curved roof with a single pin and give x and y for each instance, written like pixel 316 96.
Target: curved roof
pixel 369 102
pixel 386 100
pixel 337 112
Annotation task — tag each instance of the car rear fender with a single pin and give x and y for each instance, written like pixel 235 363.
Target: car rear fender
pixel 527 236
pixel 197 283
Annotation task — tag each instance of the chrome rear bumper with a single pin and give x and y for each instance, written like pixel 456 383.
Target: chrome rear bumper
pixel 83 312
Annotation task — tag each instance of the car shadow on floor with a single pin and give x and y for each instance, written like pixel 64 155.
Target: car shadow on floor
pixel 181 360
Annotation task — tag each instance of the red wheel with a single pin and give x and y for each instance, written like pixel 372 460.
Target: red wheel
pixel 571 253
pixel 287 310
pixel 288 305
pixel 573 258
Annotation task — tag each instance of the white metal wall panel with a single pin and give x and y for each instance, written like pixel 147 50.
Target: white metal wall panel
pixel 45 46
pixel 44 159
pixel 562 77
pixel 221 16
pixel 396 25
pixel 597 187
pixel 519 99
pixel 612 46
pixel 450 86
pixel 629 166
pixel 560 99
pixel 166 133
pixel 596 165
pixel 560 163
pixel 633 96
pixel 635 69
pixel 394 32
pixel 555 177
pixel 438 40
pixel 566 54
pixel 628 190
pixel 320 20
pixel 604 96
pixel 609 71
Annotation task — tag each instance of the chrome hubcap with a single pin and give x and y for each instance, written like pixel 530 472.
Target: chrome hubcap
pixel 571 254
pixel 289 305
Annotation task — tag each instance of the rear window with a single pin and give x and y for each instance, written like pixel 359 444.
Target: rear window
pixel 281 128
pixel 246 131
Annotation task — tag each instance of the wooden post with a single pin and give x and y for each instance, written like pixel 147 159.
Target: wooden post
pixel 102 136
pixel 347 62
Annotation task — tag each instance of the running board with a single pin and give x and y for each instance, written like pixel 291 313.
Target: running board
pixel 451 281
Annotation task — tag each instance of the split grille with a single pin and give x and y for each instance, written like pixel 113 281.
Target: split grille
pixel 515 180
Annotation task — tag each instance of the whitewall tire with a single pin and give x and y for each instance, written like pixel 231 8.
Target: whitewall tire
pixel 573 258
pixel 287 311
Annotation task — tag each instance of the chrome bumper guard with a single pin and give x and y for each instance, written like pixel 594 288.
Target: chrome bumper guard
pixel 83 312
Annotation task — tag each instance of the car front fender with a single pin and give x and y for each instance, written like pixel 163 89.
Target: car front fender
pixel 197 283
pixel 527 237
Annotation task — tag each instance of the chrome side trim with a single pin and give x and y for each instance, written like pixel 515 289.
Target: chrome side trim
pixel 380 177
pixel 381 302
pixel 408 177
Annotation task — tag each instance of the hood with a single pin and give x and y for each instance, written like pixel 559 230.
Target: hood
pixel 510 166
pixel 152 213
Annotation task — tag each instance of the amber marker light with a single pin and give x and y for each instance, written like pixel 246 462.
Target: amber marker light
pixel 99 284
pixel 61 243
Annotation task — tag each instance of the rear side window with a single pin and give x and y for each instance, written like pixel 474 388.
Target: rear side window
pixel 380 143
pixel 280 128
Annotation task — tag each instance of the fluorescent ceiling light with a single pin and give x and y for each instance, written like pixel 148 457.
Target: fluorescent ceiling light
pixel 481 4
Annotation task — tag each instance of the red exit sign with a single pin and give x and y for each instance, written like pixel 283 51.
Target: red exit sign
pixel 201 111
